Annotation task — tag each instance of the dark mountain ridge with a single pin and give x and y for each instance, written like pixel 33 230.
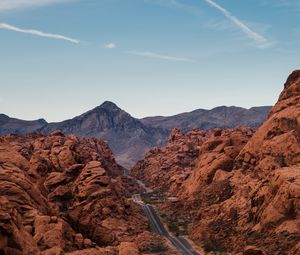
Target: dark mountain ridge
pixel 222 116
pixel 16 126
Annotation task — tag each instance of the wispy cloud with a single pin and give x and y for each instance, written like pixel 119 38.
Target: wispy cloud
pixel 259 39
pixel 17 4
pixel 38 33
pixel 110 46
pixel 149 54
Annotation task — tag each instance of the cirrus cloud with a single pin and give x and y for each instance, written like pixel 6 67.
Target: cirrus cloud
pixel 259 39
pixel 149 54
pixel 38 33
pixel 110 46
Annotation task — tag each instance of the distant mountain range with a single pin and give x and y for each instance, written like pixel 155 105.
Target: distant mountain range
pixel 129 137
pixel 223 116
pixel 15 126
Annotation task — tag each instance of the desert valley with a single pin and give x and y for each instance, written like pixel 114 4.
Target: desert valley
pixel 149 127
pixel 226 190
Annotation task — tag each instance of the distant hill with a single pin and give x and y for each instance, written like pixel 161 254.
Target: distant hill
pixel 223 116
pixel 130 138
pixel 15 126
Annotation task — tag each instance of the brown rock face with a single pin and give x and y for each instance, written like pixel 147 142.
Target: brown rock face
pixel 167 167
pixel 127 248
pixel 63 195
pixel 276 143
pixel 195 158
pixel 241 192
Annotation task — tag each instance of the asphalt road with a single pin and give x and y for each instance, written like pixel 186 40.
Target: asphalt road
pixel 181 244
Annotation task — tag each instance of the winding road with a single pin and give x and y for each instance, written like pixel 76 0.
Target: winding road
pixel 181 244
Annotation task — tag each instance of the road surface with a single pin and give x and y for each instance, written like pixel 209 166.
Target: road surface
pixel 157 227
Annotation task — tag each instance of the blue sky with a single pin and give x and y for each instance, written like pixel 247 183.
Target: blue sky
pixel 151 57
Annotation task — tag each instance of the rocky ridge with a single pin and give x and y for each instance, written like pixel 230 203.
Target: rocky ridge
pixel 66 195
pixel 241 190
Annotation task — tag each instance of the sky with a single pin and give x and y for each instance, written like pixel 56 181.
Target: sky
pixel 60 58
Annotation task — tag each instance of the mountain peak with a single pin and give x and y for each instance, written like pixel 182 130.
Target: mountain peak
pixel 291 89
pixel 293 77
pixel 42 121
pixel 108 105
pixel 3 115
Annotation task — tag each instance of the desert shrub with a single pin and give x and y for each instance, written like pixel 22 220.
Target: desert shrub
pixel 213 246
pixel 157 247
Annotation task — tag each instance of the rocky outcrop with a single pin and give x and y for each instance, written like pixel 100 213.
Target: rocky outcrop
pixel 64 195
pixel 242 195
pixel 127 248
pixel 167 167
pixel 213 151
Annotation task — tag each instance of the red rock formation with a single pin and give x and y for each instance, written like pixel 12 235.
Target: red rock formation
pixel 127 248
pixel 166 168
pixel 169 167
pixel 243 193
pixel 63 194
